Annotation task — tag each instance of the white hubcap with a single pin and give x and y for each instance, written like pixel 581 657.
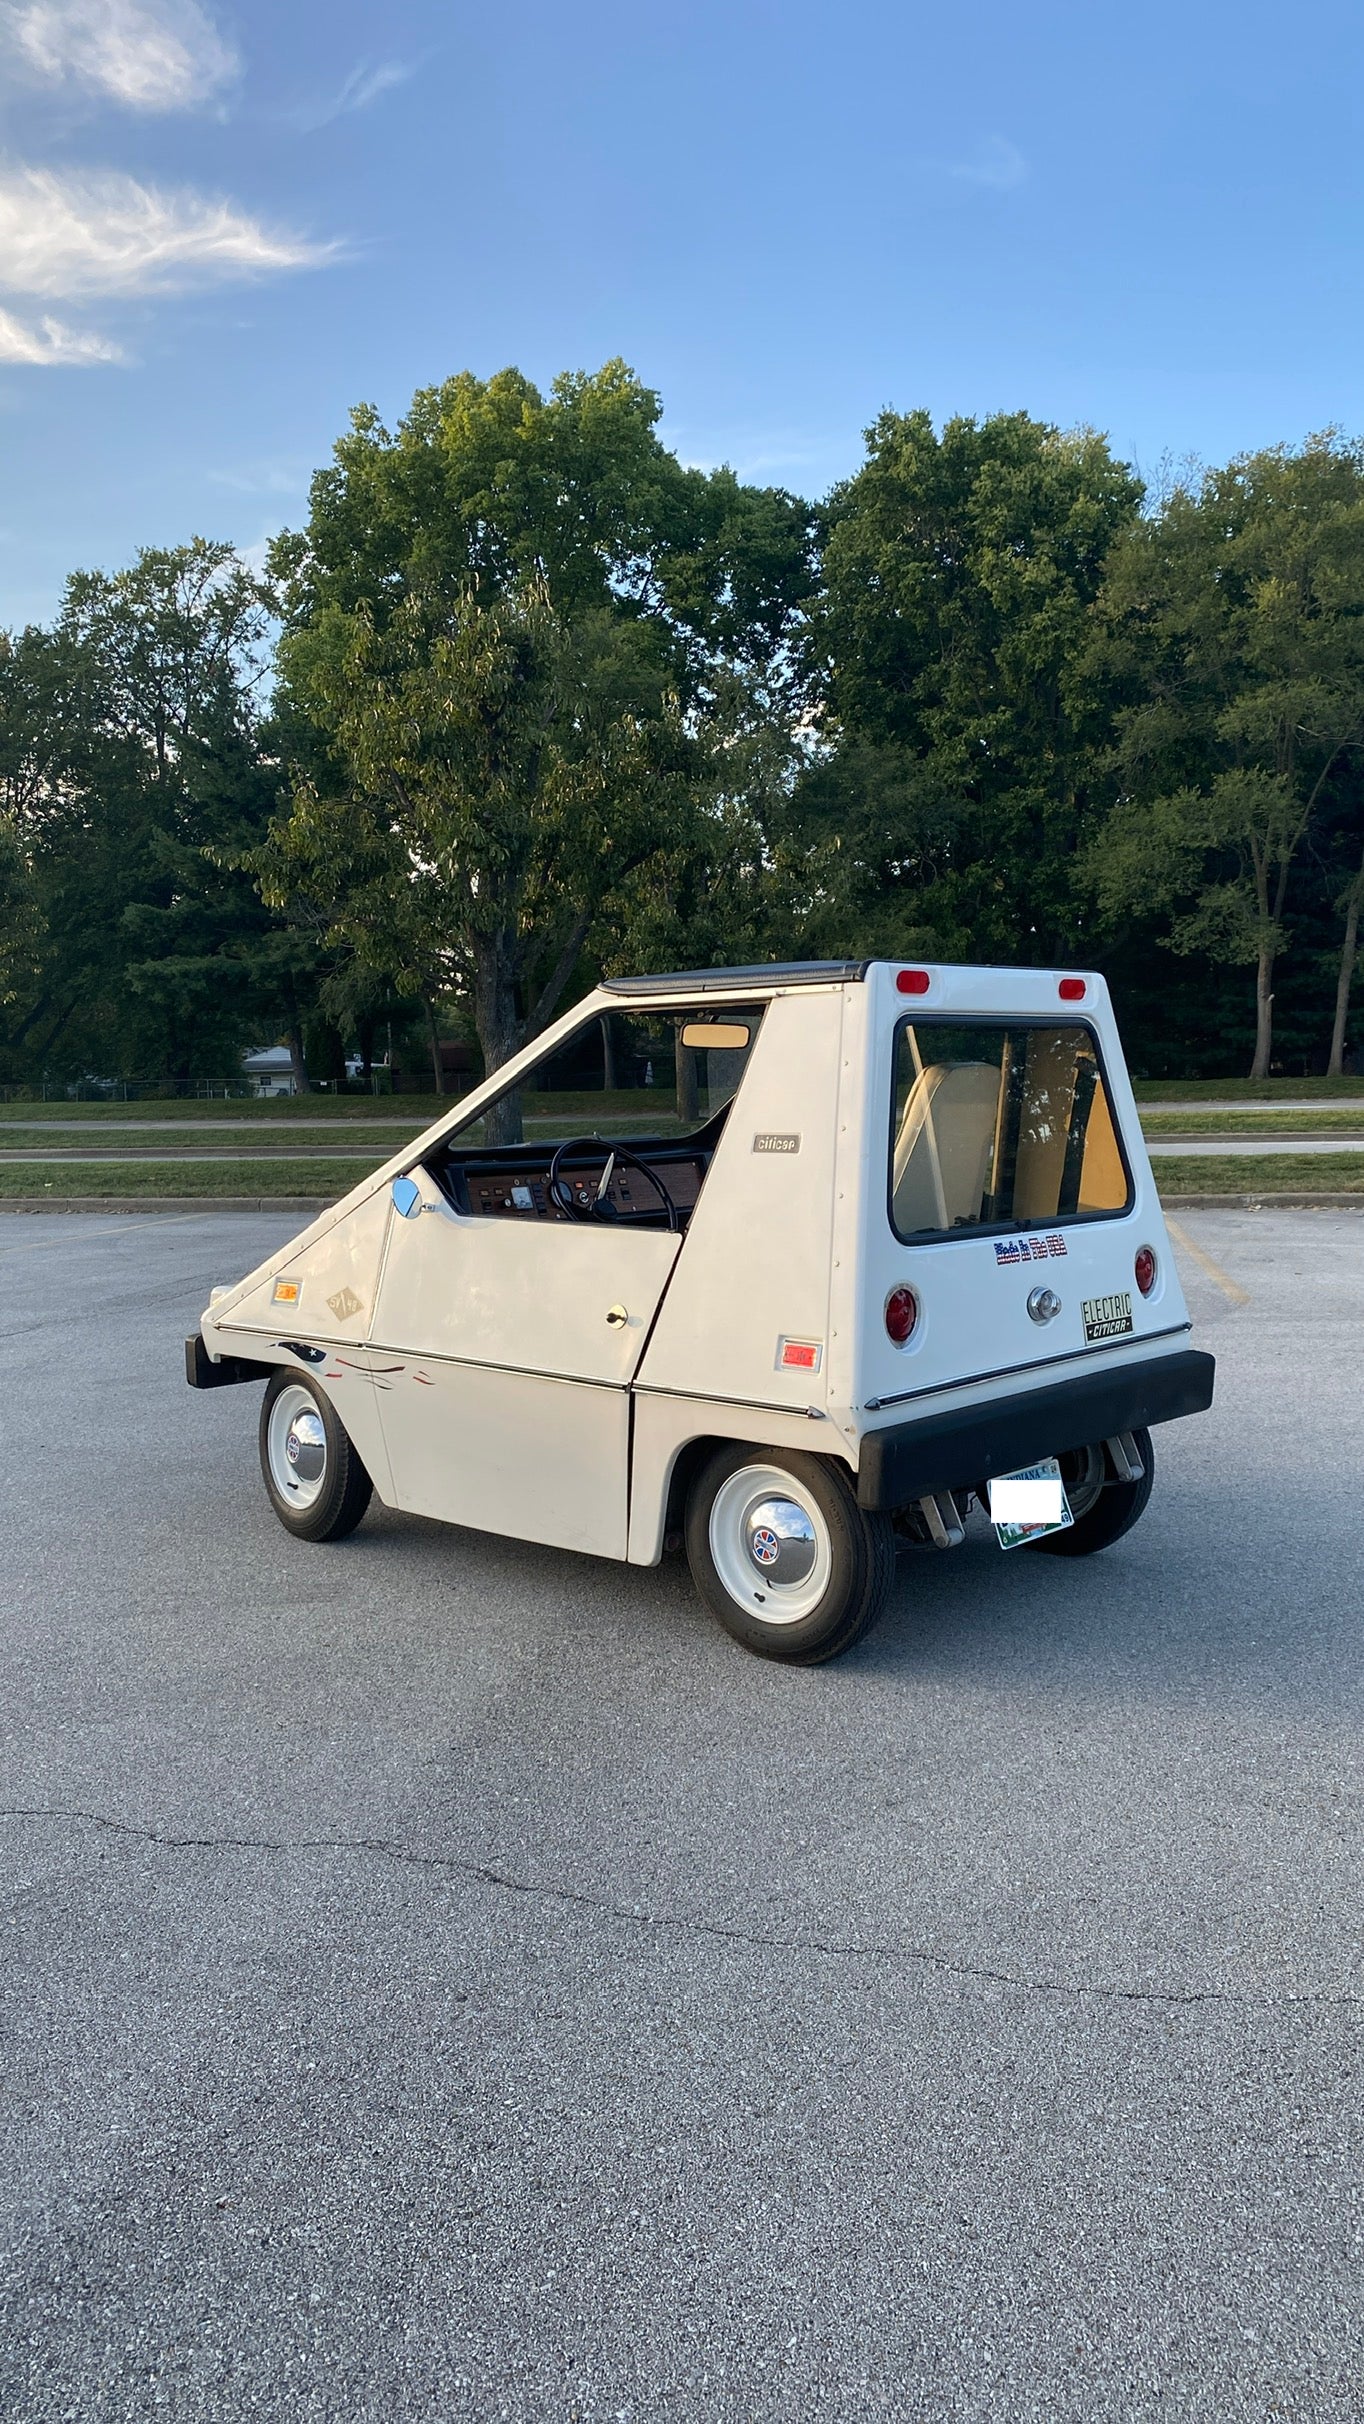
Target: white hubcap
pixel 297 1443
pixel 770 1544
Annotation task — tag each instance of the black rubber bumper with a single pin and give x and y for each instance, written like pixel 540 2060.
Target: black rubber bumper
pixel 203 1373
pixel 954 1451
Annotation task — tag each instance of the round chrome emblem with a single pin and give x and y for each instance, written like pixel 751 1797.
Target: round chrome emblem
pixel 1044 1304
pixel 780 1540
pixel 306 1446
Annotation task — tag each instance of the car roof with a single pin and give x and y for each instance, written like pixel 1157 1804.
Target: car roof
pixel 723 980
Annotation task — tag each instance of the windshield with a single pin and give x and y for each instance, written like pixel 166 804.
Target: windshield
pixel 1000 1127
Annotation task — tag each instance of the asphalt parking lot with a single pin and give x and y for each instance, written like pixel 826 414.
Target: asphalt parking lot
pixel 450 1979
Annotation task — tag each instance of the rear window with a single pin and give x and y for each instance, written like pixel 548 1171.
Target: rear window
pixel 1000 1127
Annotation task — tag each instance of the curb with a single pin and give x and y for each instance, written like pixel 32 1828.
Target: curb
pixel 167 1203
pixel 1298 1201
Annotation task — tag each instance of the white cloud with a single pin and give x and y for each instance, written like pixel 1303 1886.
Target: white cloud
pixel 995 163
pixel 143 54
pixel 105 234
pixel 363 85
pixel 51 344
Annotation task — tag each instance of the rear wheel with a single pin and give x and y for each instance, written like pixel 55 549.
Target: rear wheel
pixel 782 1553
pixel 316 1483
pixel 1103 1509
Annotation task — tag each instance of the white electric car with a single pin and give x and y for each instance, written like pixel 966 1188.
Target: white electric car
pixel 789 1261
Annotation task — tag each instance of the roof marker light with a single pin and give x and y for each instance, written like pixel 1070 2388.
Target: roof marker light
pixel 1072 988
pixel 912 980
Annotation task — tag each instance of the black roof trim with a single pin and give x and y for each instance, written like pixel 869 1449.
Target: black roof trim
pixel 723 980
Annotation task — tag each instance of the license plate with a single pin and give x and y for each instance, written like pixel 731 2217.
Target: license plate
pixel 1013 1533
pixel 1106 1317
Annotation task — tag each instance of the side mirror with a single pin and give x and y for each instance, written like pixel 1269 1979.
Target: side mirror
pixel 407 1197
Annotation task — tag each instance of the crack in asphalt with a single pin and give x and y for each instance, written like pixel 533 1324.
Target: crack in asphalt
pixel 714 1930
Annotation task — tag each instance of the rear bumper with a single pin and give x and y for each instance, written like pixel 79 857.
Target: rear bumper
pixel 954 1451
pixel 203 1373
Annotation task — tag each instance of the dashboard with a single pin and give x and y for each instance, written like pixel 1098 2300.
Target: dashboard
pixel 513 1184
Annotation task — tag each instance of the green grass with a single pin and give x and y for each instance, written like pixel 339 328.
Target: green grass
pixel 1262 1174
pixel 411 1111
pixel 329 1179
pixel 1255 1122
pixel 1267 1090
pixel 405 1114
pixel 1215 1174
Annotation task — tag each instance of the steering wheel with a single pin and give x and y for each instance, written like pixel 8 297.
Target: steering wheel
pixel 560 1190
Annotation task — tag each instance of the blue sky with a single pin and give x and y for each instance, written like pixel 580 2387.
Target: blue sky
pixel 222 226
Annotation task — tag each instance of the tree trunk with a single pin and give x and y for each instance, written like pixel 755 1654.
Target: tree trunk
pixel 365 1034
pixel 500 1029
pixel 303 1084
pixel 1335 1066
pixel 432 1037
pixel 1264 1012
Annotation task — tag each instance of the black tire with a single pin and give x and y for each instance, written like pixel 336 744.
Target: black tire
pixel 1115 1510
pixel 334 1509
pixel 859 1549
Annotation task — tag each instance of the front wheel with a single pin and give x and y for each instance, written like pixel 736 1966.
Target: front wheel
pixel 316 1483
pixel 1104 1509
pixel 782 1553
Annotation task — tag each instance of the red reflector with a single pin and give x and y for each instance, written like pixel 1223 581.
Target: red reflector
pixel 1144 1269
pixel 1072 988
pixel 912 980
pixel 798 1355
pixel 902 1311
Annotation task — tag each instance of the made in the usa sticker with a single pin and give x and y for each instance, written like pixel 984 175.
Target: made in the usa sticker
pixel 1013 1251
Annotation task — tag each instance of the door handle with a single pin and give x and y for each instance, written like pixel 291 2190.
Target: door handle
pixel 617 1318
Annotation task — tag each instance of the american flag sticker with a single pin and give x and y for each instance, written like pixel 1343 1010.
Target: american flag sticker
pixel 1029 1249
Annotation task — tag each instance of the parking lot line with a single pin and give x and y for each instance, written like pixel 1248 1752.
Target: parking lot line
pixel 1229 1287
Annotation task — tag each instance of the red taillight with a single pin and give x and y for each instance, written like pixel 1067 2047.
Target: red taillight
pixel 1144 1269
pixel 902 1311
pixel 1072 988
pixel 912 980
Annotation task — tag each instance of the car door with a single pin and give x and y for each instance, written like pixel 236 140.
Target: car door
pixel 503 1352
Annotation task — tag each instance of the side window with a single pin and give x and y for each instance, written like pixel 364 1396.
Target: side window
pixel 635 1074
pixel 618 1122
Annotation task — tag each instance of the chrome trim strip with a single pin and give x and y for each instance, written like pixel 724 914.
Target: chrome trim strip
pixel 464 1363
pixel 746 1405
pixel 1044 1363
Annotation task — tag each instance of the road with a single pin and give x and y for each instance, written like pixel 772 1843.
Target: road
pixel 448 1979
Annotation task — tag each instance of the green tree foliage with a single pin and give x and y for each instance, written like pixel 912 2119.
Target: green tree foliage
pixel 133 779
pixel 513 634
pixel 1234 644
pixel 548 702
pixel 961 712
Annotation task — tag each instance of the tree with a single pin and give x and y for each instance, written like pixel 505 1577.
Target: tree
pixel 1234 626
pixel 960 714
pixel 130 750
pixel 1351 902
pixel 505 633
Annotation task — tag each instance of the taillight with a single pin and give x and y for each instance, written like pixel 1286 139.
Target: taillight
pixel 902 1311
pixel 1144 1269
pixel 912 980
pixel 1072 988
